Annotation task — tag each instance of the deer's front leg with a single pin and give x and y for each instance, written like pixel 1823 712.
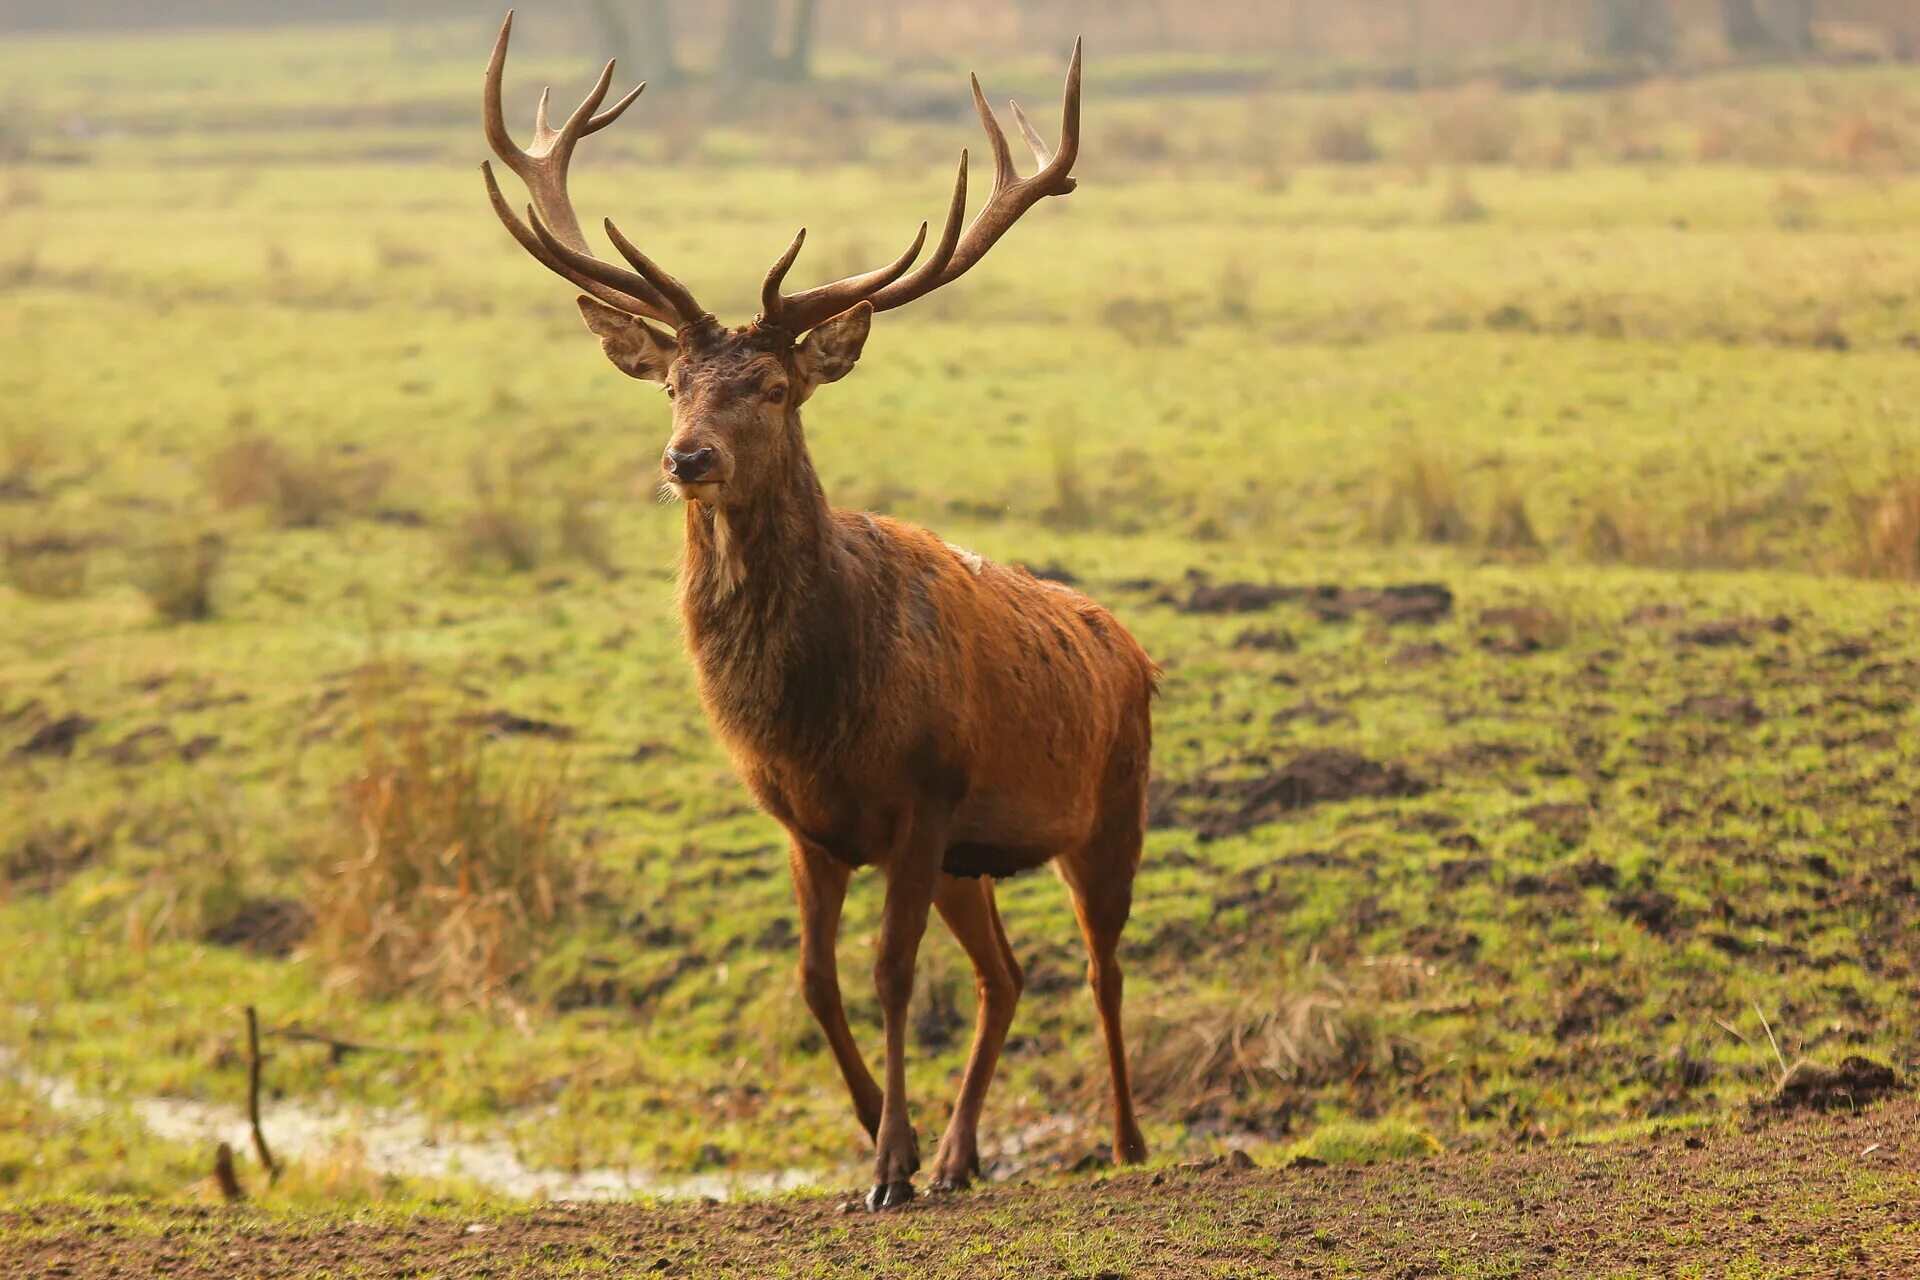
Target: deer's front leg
pixel 911 876
pixel 820 884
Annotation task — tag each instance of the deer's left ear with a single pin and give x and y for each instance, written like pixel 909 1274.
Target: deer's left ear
pixel 829 353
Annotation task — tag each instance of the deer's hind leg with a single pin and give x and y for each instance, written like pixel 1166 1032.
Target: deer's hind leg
pixel 968 907
pixel 1099 875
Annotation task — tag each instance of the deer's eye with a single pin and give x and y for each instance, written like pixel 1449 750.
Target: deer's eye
pixel 668 388
pixel 776 394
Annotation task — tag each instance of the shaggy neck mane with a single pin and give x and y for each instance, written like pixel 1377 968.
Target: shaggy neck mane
pixel 748 571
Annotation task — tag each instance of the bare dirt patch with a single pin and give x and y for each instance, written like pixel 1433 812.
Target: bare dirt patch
pixel 1217 807
pixel 1725 1200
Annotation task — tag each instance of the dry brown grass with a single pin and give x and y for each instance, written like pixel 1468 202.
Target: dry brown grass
pixel 1460 205
pixel 49 565
pixel 1418 500
pixel 1342 138
pixel 299 491
pixel 1893 532
pixel 178 577
pixel 1474 126
pixel 1314 1029
pixel 447 869
pixel 502 531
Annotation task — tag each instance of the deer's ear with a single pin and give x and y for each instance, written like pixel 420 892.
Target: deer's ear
pixel 636 348
pixel 829 352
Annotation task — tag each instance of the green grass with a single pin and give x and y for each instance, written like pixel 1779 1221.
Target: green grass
pixel 1652 341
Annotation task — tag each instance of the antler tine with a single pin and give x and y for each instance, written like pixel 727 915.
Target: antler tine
pixel 1042 153
pixel 1004 173
pixel 663 296
pixel 615 111
pixel 552 232
pixel 771 301
pixel 925 276
pixel 644 302
pixel 678 295
pixel 801 311
pixel 957 250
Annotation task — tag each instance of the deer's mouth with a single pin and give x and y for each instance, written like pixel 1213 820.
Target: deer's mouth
pixel 698 490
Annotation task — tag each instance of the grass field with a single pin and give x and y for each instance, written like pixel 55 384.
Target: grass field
pixel 303 467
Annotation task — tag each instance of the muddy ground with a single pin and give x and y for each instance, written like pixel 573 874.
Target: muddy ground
pixel 1805 1194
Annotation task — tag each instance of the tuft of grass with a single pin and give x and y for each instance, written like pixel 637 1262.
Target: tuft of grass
pixel 1509 524
pixel 23 455
pixel 501 532
pixel 584 535
pixel 1143 321
pixel 1893 532
pixel 1792 207
pixel 1461 205
pixel 1418 500
pixel 1366 1142
pixel 1476 126
pixel 178 577
pixel 299 491
pixel 445 873
pixel 48 566
pixel 1313 1030
pixel 1342 137
pixel 1236 288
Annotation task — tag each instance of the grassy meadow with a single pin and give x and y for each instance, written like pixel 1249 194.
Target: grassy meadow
pixel 339 671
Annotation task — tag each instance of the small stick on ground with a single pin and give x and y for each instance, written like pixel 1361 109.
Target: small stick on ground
pixel 253 1099
pixel 224 1175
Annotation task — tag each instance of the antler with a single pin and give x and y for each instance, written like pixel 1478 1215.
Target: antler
pixel 955 252
pixel 551 231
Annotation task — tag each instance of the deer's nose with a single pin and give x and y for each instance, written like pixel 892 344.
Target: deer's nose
pixel 689 467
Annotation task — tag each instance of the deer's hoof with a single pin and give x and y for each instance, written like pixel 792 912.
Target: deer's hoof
pixel 950 1182
pixel 889 1195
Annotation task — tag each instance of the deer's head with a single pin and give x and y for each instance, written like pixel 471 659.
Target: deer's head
pixel 737 392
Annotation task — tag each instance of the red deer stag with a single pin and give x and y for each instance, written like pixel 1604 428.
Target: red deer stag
pixel 891 700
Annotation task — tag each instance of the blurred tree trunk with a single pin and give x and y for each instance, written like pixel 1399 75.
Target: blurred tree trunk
pixel 1630 29
pixel 1791 22
pixel 748 52
pixel 1772 26
pixel 797 64
pixel 651 57
pixel 1740 26
pixel 657 59
pixel 746 48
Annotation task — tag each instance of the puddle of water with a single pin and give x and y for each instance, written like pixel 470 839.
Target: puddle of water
pixel 402 1143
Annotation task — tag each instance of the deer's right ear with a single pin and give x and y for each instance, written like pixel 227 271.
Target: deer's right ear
pixel 636 348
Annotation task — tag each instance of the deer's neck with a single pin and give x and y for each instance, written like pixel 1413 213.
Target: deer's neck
pixel 751 574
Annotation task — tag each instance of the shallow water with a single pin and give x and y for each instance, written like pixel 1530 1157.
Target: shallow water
pixel 401 1143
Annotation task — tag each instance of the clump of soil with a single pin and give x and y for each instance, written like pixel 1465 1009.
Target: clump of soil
pixel 1266 640
pixel 501 721
pixel 1810 1086
pixel 55 737
pixel 1588 1010
pixel 1420 654
pixel 1657 911
pixel 1566 823
pixel 1414 602
pixel 1729 710
pixel 1734 631
pixel 264 926
pixel 42 859
pixel 1054 571
pixel 1235 597
pixel 1237 805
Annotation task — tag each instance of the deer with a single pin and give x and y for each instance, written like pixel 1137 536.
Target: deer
pixel 889 699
